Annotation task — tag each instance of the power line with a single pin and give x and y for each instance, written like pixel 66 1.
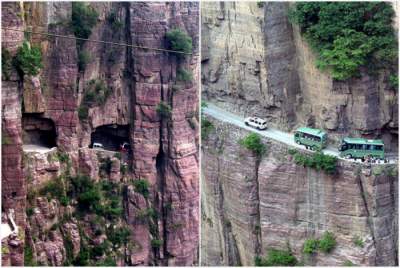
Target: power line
pixel 96 41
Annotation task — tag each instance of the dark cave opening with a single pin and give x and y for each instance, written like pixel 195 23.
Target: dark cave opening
pixel 38 131
pixel 111 137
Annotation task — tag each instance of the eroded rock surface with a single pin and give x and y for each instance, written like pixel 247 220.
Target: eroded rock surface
pixel 250 206
pixel 164 151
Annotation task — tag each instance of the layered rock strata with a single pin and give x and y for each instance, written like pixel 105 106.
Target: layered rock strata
pixel 163 151
pixel 250 206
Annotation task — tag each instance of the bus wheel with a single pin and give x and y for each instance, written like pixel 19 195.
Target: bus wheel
pixel 246 123
pixel 348 156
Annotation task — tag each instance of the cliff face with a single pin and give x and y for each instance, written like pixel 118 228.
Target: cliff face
pixel 254 62
pixel 270 72
pixel 164 151
pixel 250 206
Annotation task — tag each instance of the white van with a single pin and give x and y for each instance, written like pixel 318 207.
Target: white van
pixel 256 122
pixel 97 145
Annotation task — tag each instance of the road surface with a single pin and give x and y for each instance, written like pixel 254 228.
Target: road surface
pixel 271 133
pixel 29 148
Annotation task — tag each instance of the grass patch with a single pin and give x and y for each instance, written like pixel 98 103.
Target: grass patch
pixel 358 241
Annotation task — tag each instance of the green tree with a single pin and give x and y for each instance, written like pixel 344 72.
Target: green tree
pixel 84 18
pixel 253 143
pixel 28 59
pixel 348 35
pixel 179 41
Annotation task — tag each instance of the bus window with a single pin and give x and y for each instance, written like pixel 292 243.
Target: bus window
pixel 318 139
pixel 367 147
pixel 344 147
pixel 378 148
pixel 358 146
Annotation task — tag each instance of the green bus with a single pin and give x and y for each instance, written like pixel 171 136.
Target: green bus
pixel 362 148
pixel 311 138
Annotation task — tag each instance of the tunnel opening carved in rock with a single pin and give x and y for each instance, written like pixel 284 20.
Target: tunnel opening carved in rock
pixel 38 130
pixel 112 137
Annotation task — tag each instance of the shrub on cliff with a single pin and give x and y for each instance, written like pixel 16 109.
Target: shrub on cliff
pixel 179 41
pixel 183 75
pixel 276 257
pixel 318 161
pixel 206 128
pixel 83 112
pixel 253 143
pixel 327 242
pixel 6 64
pixel 83 59
pixel 84 18
pixel 164 110
pixel 348 35
pixel 28 60
pixel 310 246
pixel 142 187
pixel 156 243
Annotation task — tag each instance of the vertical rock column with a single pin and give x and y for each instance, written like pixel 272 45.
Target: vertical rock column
pixel 13 183
pixel 164 148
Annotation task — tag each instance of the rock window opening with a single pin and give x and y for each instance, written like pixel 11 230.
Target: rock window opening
pixel 38 131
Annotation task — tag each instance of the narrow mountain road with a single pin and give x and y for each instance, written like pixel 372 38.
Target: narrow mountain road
pixel 271 133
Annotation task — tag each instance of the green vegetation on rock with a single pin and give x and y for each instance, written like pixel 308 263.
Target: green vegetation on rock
pixel 206 128
pixel 84 18
pixel 327 242
pixel 164 110
pixel 183 75
pixel 83 59
pixel 310 246
pixel 28 256
pixel 156 243
pixel 253 143
pixel 317 160
pixel 142 187
pixel 178 40
pixel 348 35
pixel 358 241
pixel 28 60
pixel 276 257
pixel 6 64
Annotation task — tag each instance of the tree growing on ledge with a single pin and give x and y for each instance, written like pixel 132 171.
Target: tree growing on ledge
pixel 84 18
pixel 28 59
pixel 348 35
pixel 179 41
pixel 253 143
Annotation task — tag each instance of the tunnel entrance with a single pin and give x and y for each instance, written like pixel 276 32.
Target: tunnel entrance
pixel 38 131
pixel 111 137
